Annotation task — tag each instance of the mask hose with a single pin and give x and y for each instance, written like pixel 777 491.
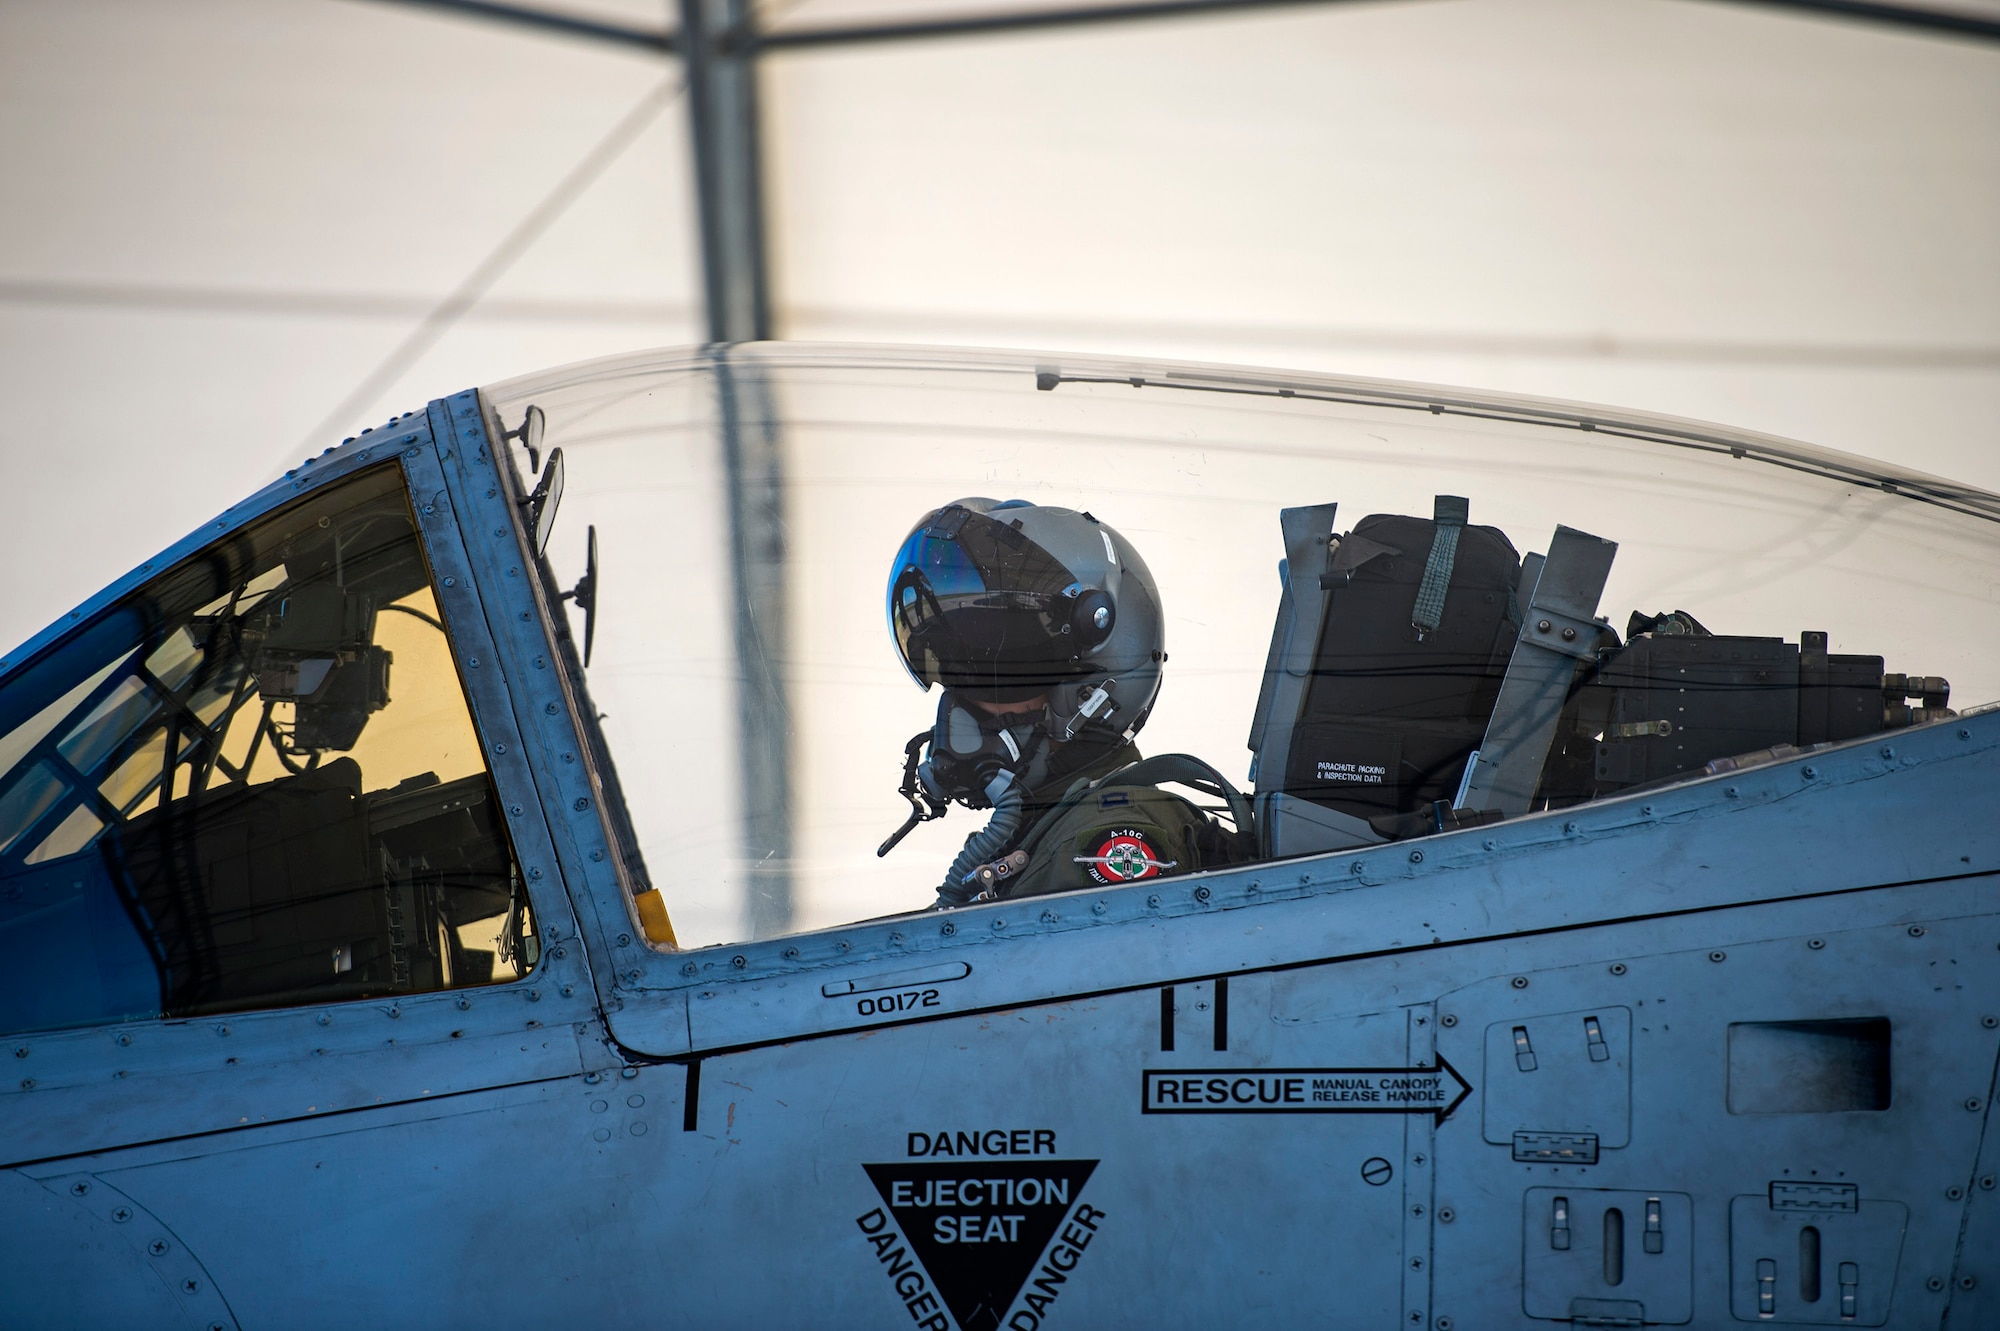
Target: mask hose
pixel 984 846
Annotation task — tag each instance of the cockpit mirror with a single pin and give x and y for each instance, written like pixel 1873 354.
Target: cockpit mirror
pixel 544 502
pixel 530 434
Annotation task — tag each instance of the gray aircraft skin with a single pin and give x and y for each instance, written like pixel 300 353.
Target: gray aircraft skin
pixel 1719 1050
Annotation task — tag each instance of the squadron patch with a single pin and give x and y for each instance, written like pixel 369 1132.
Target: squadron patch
pixel 1123 857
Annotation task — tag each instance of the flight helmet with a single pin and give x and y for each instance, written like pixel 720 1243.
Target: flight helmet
pixel 1002 601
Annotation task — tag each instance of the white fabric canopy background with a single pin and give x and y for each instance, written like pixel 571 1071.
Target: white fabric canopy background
pixel 235 232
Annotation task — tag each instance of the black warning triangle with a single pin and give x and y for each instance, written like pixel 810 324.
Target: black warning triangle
pixel 979 1226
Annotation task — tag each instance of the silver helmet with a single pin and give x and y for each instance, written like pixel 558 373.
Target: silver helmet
pixel 1003 601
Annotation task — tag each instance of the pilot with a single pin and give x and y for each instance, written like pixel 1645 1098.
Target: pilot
pixel 1042 627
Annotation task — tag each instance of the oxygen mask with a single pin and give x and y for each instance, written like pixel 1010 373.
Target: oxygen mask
pixel 971 756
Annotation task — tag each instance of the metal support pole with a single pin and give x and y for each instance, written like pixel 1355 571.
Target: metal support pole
pixel 754 468
pixel 721 68
pixel 717 43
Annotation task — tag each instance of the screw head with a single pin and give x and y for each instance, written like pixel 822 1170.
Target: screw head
pixel 1201 894
pixel 1815 943
pixel 1986 1181
pixel 687 968
pixel 121 1214
pixel 1446 1215
pixel 159 1247
pixel 79 1189
pixel 1934 1284
pixel 1448 1020
pixel 739 961
pixel 1153 900
pixel 464 1004
pixel 1973 1104
pixel 949 928
pixel 1989 1022
pixel 1968 1282
pixel 1416 857
pixel 1916 931
pixel 1617 968
pixel 791 954
pixel 1954 1193
pixel 1809 773
pixel 1718 956
pixel 1543 626
pixel 1520 982
pixel 1098 908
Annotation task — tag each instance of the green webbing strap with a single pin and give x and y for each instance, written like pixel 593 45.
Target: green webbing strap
pixel 1449 512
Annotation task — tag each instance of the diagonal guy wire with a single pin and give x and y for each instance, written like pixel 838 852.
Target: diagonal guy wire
pixel 490 269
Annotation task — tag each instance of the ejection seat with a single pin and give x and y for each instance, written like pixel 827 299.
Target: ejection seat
pixel 1417 674
pixel 1423 677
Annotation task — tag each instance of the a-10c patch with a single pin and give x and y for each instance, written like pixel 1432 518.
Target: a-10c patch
pixel 1123 856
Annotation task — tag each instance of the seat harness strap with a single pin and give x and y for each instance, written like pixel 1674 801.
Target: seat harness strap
pixel 1450 513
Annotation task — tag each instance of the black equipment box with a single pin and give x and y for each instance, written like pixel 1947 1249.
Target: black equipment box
pixel 1678 702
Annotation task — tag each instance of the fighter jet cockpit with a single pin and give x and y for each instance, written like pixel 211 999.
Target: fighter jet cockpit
pixel 1375 614
pixel 1144 625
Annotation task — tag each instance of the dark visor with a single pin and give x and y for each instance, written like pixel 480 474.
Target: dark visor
pixel 975 605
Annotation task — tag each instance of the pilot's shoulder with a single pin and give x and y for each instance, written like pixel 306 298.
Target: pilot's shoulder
pixel 1119 829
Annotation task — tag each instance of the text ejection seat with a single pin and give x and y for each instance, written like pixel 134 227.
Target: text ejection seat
pixel 1417 672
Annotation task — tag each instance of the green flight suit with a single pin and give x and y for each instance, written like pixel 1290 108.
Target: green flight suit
pixel 1113 825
